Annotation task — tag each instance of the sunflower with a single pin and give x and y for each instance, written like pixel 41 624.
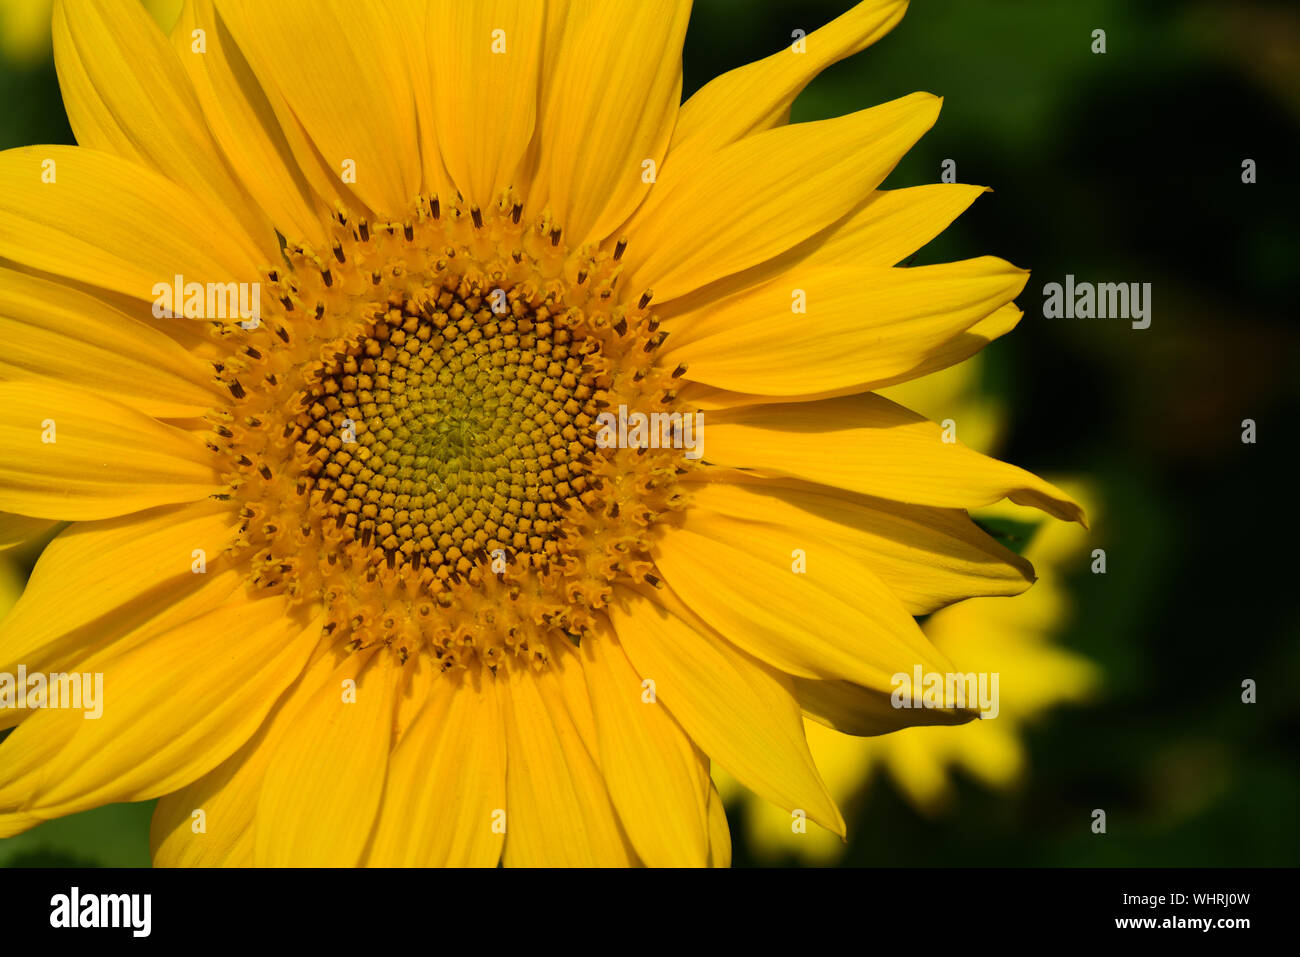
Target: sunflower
pixel 364 583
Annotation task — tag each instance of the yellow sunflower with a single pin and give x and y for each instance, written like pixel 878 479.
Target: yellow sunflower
pixel 317 338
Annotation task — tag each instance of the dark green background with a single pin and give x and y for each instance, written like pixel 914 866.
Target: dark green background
pixel 1117 167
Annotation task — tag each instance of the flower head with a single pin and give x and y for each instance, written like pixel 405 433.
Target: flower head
pixel 366 346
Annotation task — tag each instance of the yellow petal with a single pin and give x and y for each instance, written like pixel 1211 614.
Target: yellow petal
pixel 126 93
pixel 741 577
pixel 341 71
pixel 53 331
pixel 608 107
pixel 928 557
pixel 326 777
pixel 740 712
pixel 758 197
pixel 893 224
pixel 853 709
pixel 719 832
pixel 558 808
pixel 112 223
pixel 444 804
pixel 98 580
pixel 242 120
pixel 657 777
pixel 164 721
pixel 758 96
pixel 228 794
pixel 17 530
pixel 867 444
pixel 837 327
pixel 484 58
pixel 73 455
pixel 887 227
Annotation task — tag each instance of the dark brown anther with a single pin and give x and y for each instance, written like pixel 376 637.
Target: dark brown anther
pixel 236 389
pixel 679 371
pixel 287 303
pixel 252 353
pixel 273 276
pixel 582 276
pixel 338 251
pixel 516 211
pixel 555 237
pixel 320 309
pixel 653 580
pixel 266 472
pixel 621 326
pixel 282 332
pixel 364 228
pixel 375 277
pixel 328 277
pixel 619 248
pixel 408 231
pixel 645 299
pixel 434 208
pixel 476 214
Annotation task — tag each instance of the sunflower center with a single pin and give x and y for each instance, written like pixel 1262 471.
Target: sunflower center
pixel 412 434
pixel 459 440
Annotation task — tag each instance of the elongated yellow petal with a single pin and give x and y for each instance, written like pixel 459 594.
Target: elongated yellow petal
pixel 756 582
pixel 558 810
pixel 484 58
pixel 113 223
pixel 341 71
pixel 70 454
pixel 758 96
pixel 887 227
pixel 928 557
pixel 242 120
pixel 53 332
pixel 100 579
pixel 126 93
pixel 893 224
pixel 227 796
pixel 608 110
pixel 861 328
pixel 856 710
pixel 758 197
pixel 444 804
pixel 657 777
pixel 16 530
pixel 322 791
pixel 740 712
pixel 870 445
pixel 719 832
pixel 169 722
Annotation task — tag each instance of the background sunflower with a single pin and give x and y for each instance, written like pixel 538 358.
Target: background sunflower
pixel 1103 169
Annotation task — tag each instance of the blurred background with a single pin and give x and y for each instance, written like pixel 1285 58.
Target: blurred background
pixel 1117 167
